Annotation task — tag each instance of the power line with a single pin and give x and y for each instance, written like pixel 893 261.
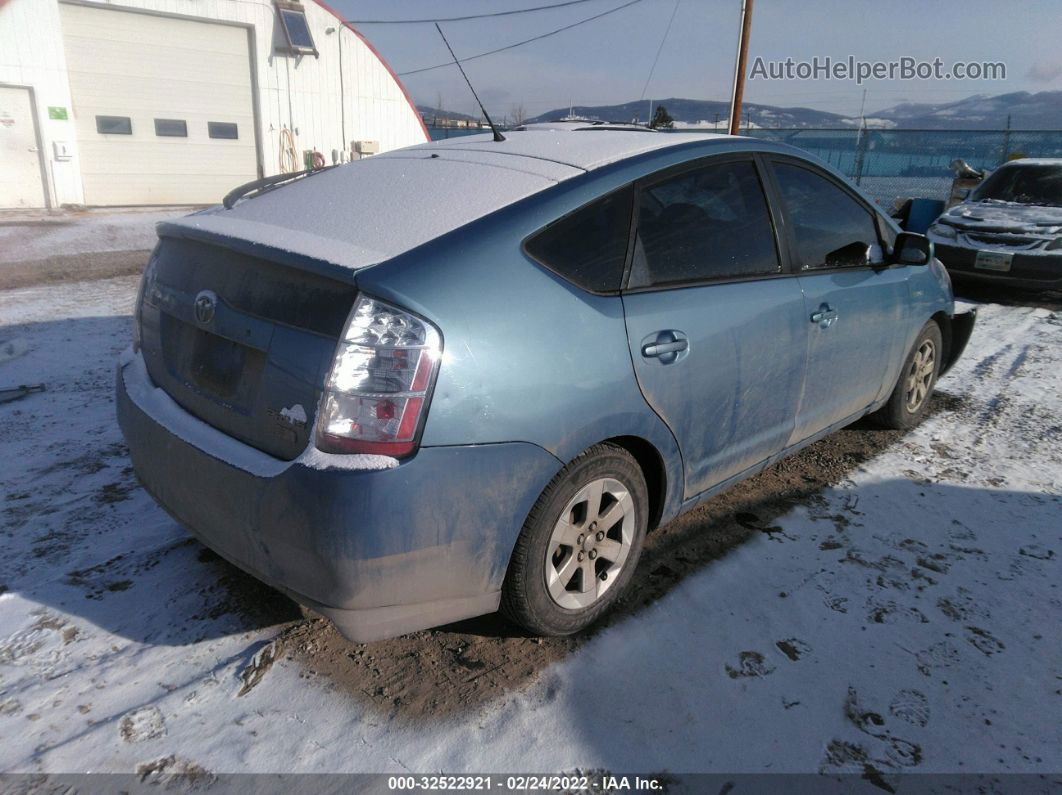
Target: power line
pixel 525 41
pixel 469 16
pixel 660 49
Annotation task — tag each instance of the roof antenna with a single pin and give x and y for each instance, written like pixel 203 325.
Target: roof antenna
pixel 497 135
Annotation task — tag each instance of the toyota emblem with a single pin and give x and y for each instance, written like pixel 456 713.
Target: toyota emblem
pixel 205 304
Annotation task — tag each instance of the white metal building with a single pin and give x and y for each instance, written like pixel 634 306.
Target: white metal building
pixel 130 102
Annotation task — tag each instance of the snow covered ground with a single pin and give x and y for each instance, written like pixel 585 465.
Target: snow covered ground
pixel 38 234
pixel 906 619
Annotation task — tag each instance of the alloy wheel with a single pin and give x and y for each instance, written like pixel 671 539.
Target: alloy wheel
pixel 590 543
pixel 920 375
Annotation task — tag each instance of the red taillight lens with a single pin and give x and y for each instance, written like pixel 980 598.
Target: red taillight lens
pixel 378 388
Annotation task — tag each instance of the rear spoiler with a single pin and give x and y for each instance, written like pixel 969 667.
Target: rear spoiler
pixel 266 183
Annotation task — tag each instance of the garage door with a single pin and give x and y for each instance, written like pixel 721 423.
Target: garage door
pixel 163 106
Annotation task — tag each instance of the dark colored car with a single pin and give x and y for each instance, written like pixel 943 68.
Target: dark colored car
pixel 1009 230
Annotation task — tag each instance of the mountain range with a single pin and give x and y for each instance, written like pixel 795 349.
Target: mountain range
pixel 1039 111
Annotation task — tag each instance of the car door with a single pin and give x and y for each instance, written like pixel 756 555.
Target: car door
pixel 715 322
pixel 854 302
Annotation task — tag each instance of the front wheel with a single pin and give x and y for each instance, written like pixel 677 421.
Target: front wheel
pixel 910 397
pixel 580 544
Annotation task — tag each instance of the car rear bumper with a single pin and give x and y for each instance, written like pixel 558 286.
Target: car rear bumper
pixel 379 552
pixel 1028 271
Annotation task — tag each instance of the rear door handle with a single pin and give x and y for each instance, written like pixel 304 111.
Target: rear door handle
pixel 825 316
pixel 660 348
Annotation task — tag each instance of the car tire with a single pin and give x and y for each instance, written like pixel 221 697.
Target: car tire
pixel 914 387
pixel 580 544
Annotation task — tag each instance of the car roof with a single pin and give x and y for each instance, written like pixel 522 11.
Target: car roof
pixel 581 146
pixel 371 210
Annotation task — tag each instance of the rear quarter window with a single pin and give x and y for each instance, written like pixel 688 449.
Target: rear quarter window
pixel 589 246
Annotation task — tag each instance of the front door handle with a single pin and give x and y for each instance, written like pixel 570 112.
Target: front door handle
pixel 825 316
pixel 665 346
pixel 661 348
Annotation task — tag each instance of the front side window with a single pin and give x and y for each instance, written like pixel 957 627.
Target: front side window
pixel 710 223
pixel 830 228
pixel 588 247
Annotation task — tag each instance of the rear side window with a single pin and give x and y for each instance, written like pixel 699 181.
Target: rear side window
pixel 589 246
pixel 710 223
pixel 830 228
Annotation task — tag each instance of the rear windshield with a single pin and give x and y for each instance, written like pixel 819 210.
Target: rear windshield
pixel 589 246
pixel 1039 185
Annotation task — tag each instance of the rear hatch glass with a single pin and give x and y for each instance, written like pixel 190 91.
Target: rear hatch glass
pixel 240 342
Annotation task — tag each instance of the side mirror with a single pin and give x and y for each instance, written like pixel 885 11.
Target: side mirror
pixel 912 249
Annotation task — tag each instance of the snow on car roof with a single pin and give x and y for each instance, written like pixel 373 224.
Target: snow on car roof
pixel 584 147
pixel 374 209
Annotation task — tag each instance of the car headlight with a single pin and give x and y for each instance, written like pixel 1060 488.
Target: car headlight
pixel 943 230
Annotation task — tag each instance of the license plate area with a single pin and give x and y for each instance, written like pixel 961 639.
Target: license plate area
pixel 217 364
pixel 211 366
pixel 993 261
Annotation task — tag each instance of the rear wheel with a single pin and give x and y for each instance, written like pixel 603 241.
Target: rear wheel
pixel 580 544
pixel 910 396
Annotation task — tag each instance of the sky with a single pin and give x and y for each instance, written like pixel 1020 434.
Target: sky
pixel 609 60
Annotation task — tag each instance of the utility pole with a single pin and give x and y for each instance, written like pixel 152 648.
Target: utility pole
pixel 861 140
pixel 1006 142
pixel 738 90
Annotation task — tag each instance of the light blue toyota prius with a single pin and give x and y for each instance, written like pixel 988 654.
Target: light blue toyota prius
pixel 473 374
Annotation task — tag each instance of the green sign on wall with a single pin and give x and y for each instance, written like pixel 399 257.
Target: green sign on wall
pixel 57 113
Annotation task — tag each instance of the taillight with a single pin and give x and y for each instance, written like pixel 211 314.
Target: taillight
pixel 378 390
pixel 147 281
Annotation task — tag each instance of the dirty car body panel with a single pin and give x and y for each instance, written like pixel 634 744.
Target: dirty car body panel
pixel 243 309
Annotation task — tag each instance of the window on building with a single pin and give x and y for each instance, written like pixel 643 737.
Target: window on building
pixel 114 125
pixel 831 229
pixel 711 223
pixel 171 128
pixel 296 30
pixel 589 246
pixel 222 129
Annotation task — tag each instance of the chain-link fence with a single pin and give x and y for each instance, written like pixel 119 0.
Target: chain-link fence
pixel 898 163
pixel 891 163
